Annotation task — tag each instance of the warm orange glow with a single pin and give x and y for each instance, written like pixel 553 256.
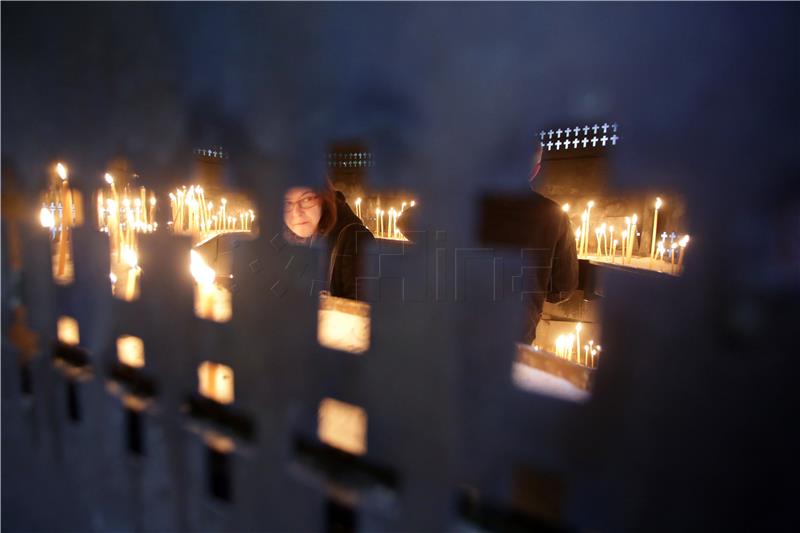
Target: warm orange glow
pixel 216 382
pixel 343 324
pixel 343 426
pixel 68 331
pixel 46 218
pixel 61 170
pixel 130 351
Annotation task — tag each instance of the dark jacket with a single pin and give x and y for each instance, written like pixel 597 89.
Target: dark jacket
pixel 348 241
pixel 549 258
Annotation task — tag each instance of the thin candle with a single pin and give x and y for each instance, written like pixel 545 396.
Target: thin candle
pixel 655 226
pixel 683 242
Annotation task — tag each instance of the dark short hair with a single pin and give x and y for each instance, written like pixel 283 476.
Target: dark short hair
pixel 327 219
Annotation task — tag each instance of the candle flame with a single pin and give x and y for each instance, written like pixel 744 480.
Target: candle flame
pixel 130 257
pixel 578 327
pixel 358 201
pixel 684 241
pixel 46 218
pixel 201 272
pixel 590 204
pixel 565 208
pixel 413 203
pixel 658 203
pixel 61 170
pixel 109 178
pixel 634 218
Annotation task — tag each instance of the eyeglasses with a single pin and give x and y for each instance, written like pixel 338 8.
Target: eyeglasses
pixel 304 203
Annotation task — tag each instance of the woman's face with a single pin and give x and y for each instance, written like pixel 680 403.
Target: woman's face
pixel 302 211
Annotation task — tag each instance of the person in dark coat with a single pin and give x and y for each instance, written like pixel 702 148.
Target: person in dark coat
pixel 549 256
pixel 310 215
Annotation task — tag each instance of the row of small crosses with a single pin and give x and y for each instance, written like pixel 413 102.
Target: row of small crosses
pixel 350 164
pixel 350 159
pixel 212 153
pixel 604 140
pixel 349 155
pixel 576 131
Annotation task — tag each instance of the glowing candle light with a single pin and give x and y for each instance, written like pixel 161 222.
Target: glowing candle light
pixel 568 344
pixel 66 218
pixel 589 207
pixel 655 225
pixel 152 216
pixel 611 239
pixel 131 258
pixel 358 207
pixel 577 238
pixel 578 328
pixel 674 247
pixel 683 242
pixel 565 208
pixel 584 223
pixel 603 235
pixel 413 203
pixel 142 205
pixel 46 218
pixel 597 236
pixel 68 331
pixel 631 237
pixel 130 351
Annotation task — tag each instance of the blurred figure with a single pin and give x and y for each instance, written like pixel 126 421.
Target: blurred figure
pixel 541 230
pixel 555 258
pixel 311 214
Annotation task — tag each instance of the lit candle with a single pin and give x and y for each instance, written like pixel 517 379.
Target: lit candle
pixel 100 218
pixel 673 247
pixel 577 239
pixel 143 203
pixel 611 239
pixel 683 242
pixel 152 216
pixel 66 212
pixel 569 343
pixel 597 236
pixel 624 246
pixel 655 225
pixel 565 208
pixel 632 237
pixel 578 328
pixel 605 240
pixel 589 207
pixel 224 216
pixel 584 231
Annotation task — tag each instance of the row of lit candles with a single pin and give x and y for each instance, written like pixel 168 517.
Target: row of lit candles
pixel 386 228
pixel 193 214
pixel 63 209
pixel 568 346
pixel 606 244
